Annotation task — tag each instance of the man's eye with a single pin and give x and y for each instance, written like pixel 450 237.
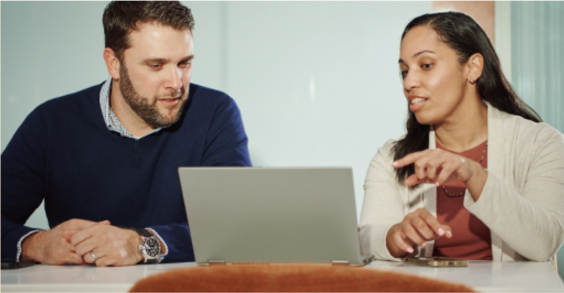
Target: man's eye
pixel 184 64
pixel 156 66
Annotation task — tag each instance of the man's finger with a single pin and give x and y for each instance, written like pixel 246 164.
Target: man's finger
pixel 82 235
pixel 77 224
pixel 93 256
pixel 69 255
pixel 67 234
pixel 105 261
pixel 84 247
pixel 75 259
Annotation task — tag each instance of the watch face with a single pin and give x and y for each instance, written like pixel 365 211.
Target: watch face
pixel 152 247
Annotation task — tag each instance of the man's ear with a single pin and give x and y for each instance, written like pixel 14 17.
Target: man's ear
pixel 112 63
pixel 475 66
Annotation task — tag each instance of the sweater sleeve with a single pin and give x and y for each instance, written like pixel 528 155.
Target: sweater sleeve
pixel 382 207
pixel 530 222
pixel 23 166
pixel 226 141
pixel 177 240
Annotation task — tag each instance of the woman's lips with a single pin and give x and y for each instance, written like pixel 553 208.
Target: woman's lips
pixel 417 104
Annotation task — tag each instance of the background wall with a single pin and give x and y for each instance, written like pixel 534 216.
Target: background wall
pixel 317 82
pixel 537 53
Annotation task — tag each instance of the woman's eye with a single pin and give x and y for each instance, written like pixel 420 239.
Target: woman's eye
pixel 426 66
pixel 403 74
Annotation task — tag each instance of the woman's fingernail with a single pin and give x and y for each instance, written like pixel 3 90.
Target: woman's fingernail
pixel 437 184
pixel 410 250
pixel 395 163
pixel 441 232
pixel 424 244
pixel 449 234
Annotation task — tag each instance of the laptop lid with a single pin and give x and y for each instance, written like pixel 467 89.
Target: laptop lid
pixel 256 214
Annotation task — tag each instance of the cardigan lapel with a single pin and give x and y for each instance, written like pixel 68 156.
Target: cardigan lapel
pixel 496 161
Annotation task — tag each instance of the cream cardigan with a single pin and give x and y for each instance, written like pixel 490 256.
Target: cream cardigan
pixel 522 201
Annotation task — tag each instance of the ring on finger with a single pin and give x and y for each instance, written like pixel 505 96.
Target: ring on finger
pixel 93 255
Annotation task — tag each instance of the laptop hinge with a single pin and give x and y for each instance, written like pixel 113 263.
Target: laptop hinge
pixel 340 262
pixel 216 262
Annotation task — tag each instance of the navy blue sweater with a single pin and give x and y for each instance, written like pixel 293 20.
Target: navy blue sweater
pixel 63 153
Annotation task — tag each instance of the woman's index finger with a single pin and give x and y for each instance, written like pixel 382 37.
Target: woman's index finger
pixel 409 159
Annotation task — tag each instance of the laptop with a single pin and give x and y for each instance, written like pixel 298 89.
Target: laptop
pixel 244 215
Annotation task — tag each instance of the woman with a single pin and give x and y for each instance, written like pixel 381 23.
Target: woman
pixel 478 175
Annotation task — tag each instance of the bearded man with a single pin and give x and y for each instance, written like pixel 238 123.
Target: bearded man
pixel 105 159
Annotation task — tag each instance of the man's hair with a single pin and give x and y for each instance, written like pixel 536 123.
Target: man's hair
pixel 122 17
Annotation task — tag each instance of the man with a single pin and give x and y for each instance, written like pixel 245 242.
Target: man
pixel 105 159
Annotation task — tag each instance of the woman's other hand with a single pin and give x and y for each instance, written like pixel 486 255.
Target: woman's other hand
pixel 416 229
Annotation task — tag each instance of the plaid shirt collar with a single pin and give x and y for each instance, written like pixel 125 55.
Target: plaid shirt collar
pixel 110 118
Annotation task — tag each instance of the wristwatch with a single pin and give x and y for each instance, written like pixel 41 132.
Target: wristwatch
pixel 150 247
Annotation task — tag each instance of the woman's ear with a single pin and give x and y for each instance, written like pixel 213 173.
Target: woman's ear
pixel 475 66
pixel 112 63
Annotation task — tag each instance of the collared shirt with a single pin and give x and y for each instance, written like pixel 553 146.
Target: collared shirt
pixel 110 118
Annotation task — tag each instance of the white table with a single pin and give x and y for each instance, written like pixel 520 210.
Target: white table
pixel 483 276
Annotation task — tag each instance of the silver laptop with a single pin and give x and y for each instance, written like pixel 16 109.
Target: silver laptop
pixel 273 215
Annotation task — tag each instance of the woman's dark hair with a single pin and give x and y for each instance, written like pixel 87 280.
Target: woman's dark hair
pixel 461 33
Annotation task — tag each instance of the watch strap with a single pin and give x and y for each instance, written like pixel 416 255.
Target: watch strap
pixel 144 232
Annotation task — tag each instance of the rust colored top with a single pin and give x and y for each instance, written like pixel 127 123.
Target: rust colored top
pixel 471 238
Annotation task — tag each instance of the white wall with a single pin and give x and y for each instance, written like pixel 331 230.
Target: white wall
pixel 317 82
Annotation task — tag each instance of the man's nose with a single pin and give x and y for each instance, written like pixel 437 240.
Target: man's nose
pixel 174 79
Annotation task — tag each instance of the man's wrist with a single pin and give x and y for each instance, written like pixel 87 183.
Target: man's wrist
pixel 137 243
pixel 161 241
pixel 150 246
pixel 28 247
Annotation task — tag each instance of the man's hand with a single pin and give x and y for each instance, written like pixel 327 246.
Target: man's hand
pixel 112 246
pixel 415 229
pixel 53 247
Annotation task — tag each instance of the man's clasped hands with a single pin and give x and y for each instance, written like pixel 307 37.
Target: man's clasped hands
pixel 81 241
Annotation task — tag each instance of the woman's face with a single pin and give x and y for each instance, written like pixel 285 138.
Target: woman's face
pixel 434 81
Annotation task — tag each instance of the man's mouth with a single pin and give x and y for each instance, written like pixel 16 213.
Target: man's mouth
pixel 170 102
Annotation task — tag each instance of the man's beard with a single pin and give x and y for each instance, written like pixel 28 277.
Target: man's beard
pixel 140 105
